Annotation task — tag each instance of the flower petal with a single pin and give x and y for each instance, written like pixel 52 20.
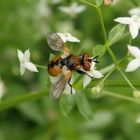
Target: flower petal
pixel 92 65
pixel 80 9
pixel 134 11
pixel 135 51
pixel 27 55
pixel 22 69
pixel 20 55
pixel 133 65
pixel 71 38
pixel 97 74
pixel 86 80
pixel 134 29
pixel 124 20
pixel 30 66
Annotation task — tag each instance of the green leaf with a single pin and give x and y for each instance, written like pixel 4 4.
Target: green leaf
pixel 116 33
pixel 66 104
pixel 99 50
pixel 83 106
pixel 99 2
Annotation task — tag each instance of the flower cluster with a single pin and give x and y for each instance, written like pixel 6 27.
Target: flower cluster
pixel 133 21
pixel 134 25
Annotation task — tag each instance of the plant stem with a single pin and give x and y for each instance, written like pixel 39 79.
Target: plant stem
pixel 110 51
pixel 107 69
pixel 102 81
pixel 105 38
pixel 121 96
pixel 42 67
pixel 127 80
pixel 120 83
pixel 102 24
pixel 28 97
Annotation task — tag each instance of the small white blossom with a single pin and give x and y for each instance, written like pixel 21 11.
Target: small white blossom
pixel 24 59
pixel 135 11
pixel 68 37
pixel 73 9
pixel 2 88
pixel 92 73
pixel 135 63
pixel 133 22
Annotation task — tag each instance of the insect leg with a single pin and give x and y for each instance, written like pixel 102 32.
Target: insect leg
pixel 70 85
pixel 83 72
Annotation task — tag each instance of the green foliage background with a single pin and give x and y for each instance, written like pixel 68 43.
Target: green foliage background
pixel 79 117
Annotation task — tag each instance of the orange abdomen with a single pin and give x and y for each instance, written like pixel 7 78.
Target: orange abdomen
pixel 53 68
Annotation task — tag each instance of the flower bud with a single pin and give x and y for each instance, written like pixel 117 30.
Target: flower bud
pixel 96 90
pixel 136 93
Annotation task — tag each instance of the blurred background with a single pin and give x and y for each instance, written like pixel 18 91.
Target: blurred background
pixel 24 25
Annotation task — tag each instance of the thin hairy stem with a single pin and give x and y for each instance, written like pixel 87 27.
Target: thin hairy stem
pixel 42 67
pixel 121 96
pixel 110 51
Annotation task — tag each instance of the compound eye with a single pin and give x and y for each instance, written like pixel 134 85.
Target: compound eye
pixel 86 66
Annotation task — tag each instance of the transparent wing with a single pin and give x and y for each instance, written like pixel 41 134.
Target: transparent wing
pixel 55 42
pixel 58 87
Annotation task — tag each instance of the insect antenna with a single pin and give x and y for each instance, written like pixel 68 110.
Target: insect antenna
pixel 94 59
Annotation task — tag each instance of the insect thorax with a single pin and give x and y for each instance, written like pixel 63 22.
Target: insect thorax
pixel 72 62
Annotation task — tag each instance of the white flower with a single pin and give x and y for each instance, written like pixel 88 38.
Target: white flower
pixel 135 11
pixel 73 9
pixel 2 88
pixel 135 63
pixel 68 37
pixel 133 22
pixel 92 73
pixel 25 63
